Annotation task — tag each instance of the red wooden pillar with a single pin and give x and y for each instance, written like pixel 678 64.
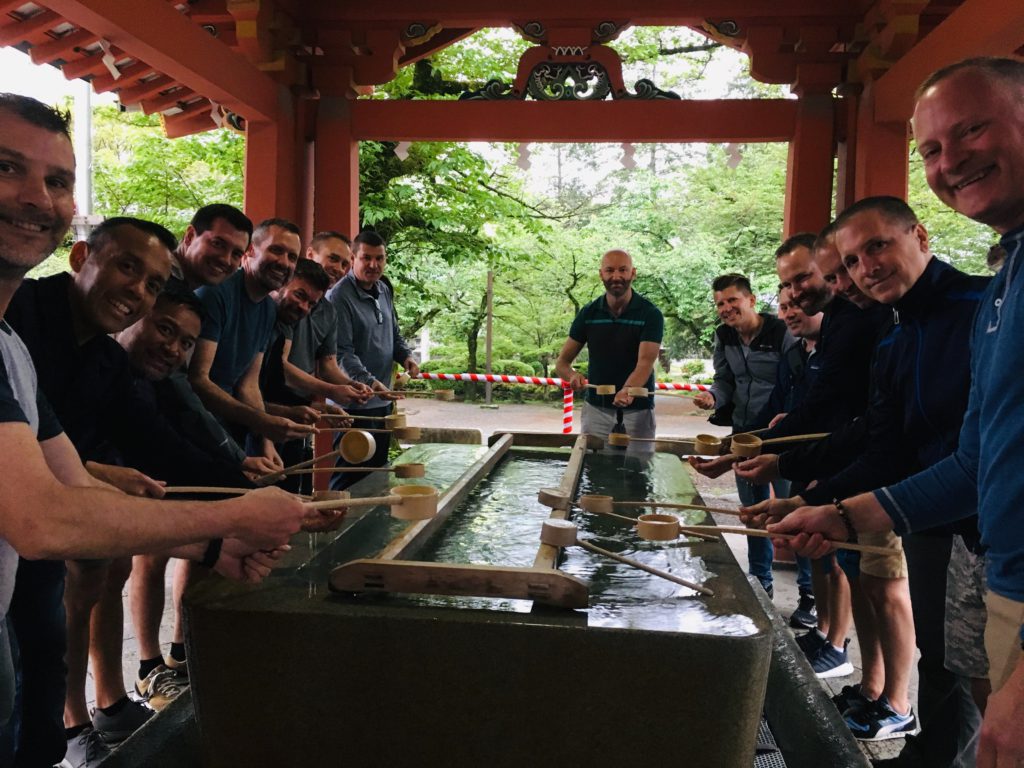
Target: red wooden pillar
pixel 335 168
pixel 809 167
pixel 273 169
pixel 881 153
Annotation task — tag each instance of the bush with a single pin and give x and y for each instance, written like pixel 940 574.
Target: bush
pixel 693 368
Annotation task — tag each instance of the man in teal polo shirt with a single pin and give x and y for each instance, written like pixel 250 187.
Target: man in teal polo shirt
pixel 623 331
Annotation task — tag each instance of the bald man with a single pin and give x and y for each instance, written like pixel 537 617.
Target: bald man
pixel 623 332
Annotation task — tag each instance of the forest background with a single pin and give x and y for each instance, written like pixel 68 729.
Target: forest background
pixel 539 217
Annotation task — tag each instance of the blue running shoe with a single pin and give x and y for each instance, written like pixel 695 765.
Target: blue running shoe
pixel 880 721
pixel 810 643
pixel 832 663
pixel 851 699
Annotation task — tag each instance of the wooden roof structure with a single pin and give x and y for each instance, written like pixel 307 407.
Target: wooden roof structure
pixel 288 73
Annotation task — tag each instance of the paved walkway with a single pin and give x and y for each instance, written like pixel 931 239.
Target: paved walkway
pixel 677 417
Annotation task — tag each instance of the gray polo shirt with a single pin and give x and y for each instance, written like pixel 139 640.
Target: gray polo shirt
pixel 369 343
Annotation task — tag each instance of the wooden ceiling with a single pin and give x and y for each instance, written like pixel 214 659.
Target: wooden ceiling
pixel 202 62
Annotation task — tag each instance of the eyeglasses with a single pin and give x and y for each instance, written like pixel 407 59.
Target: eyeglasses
pixel 377 312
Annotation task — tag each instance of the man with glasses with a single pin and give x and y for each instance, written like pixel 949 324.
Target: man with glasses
pixel 369 343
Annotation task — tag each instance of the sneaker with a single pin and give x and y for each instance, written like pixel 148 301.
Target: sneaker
pixel 851 699
pixel 85 750
pixel 880 721
pixel 114 729
pixel 811 643
pixel 161 686
pixel 179 668
pixel 805 616
pixel 832 663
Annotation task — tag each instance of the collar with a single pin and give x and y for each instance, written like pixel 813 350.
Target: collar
pixel 922 293
pixel 372 293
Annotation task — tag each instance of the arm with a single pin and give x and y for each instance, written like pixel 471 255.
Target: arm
pixel 51 511
pixel 330 381
pixel 563 366
pixel 216 400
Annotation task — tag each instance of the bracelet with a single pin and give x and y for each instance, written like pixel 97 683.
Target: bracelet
pixel 212 554
pixel 844 515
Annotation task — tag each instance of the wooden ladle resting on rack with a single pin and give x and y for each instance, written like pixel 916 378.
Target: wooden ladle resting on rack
pixel 563 533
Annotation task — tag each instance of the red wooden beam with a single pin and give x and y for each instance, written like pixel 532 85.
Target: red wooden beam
pixel 438 42
pixel 180 49
pixel 736 120
pixel 976 28
pixel 44 53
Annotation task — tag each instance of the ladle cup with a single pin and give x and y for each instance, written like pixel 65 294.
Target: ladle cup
pixel 407 502
pixel 707 445
pixel 402 433
pixel 748 445
pixel 563 533
pixel 357 446
pixel 600 504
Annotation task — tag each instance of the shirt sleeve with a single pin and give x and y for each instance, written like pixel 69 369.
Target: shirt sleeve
pixel 49 424
pixel 329 343
pixel 654 328
pixel 725 382
pixel 10 408
pixel 216 312
pixel 578 329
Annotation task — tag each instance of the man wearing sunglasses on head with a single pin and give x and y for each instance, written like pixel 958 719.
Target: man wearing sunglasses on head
pixel 369 343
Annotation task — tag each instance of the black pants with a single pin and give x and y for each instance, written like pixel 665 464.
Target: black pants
pixel 40 629
pixel 343 480
pixel 948 715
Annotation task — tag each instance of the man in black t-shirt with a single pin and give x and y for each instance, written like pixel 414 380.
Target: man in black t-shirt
pixel 623 332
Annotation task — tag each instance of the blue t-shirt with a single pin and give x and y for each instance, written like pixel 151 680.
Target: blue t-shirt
pixel 240 327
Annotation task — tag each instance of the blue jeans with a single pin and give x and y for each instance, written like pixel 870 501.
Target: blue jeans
pixel 760 551
pixel 803 575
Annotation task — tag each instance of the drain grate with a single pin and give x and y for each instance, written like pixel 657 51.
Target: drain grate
pixel 767 754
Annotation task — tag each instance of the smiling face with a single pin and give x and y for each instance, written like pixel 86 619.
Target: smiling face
pixel 800 325
pixel 210 257
pixel 37 179
pixel 617 273
pixel 799 273
pixel 161 342
pixel 296 300
pixel 117 282
pixel 334 255
pixel 883 256
pixel 735 307
pixel 270 262
pixel 970 134
pixel 830 264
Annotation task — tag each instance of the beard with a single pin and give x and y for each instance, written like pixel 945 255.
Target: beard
pixel 617 288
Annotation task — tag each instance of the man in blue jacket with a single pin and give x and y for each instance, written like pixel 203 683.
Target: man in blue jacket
pixel 969 125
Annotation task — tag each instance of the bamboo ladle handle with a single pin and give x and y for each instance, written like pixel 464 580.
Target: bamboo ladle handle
pixel 637 564
pixel 761 533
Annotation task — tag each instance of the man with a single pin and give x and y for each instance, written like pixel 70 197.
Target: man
pixel 301 363
pixel 332 251
pixel 748 348
pixel 623 331
pixel 212 247
pixel 369 341
pixel 156 346
pixel 53 508
pixel 239 320
pixel 969 124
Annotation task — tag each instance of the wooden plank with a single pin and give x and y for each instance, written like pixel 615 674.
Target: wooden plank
pixel 541 585
pixel 415 536
pixel 547 555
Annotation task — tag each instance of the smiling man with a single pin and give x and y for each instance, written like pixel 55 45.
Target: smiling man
pixel 622 331
pixel 212 247
pixel 239 320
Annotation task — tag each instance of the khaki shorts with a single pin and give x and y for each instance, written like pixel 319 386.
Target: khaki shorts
pixel 883 566
pixel 1002 637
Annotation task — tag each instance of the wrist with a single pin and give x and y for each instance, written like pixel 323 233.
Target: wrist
pixel 844 516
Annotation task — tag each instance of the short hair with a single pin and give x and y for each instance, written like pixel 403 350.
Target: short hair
pixel 312 273
pixel 264 227
pixel 35 112
pixel 177 294
pixel 99 236
pixel 368 237
pixel 1003 68
pixel 826 237
pixel 329 234
pixel 204 218
pixel 732 280
pixel 799 240
pixel 892 208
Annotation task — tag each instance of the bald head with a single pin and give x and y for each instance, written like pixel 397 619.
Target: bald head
pixel 617 274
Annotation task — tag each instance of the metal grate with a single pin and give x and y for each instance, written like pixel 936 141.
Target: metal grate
pixel 767 754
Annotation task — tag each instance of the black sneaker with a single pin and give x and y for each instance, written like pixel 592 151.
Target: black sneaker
pixel 114 729
pixel 811 642
pixel 851 699
pixel 805 616
pixel 880 721
pixel 85 750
